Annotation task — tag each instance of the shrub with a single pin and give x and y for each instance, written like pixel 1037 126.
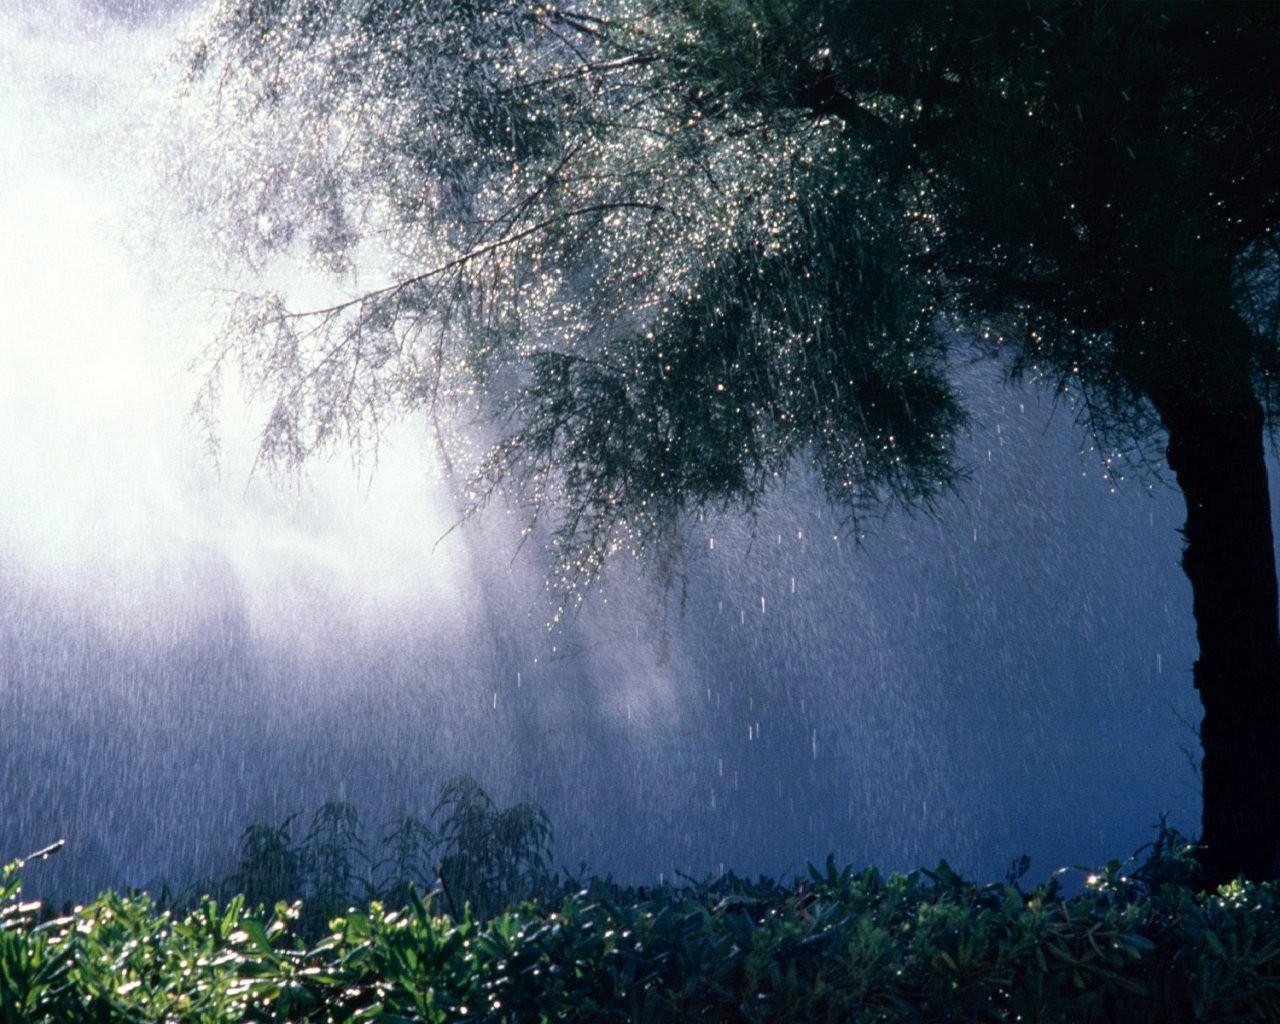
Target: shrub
pixel 1136 945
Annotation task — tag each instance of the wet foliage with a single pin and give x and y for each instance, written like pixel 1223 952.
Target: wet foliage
pixel 667 252
pixel 1138 943
pixel 657 302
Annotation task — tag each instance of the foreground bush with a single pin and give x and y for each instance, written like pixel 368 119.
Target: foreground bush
pixel 841 945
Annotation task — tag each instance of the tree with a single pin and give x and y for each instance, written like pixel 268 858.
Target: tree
pixel 1107 187
pixel 670 252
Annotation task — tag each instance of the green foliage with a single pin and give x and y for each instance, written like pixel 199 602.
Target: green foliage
pixel 840 945
pixel 34 970
pixel 477 856
pixel 664 299
pixel 672 250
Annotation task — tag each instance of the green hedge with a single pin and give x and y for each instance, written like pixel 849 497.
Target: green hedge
pixel 838 946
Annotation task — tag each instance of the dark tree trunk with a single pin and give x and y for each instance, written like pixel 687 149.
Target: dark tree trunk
pixel 1216 449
